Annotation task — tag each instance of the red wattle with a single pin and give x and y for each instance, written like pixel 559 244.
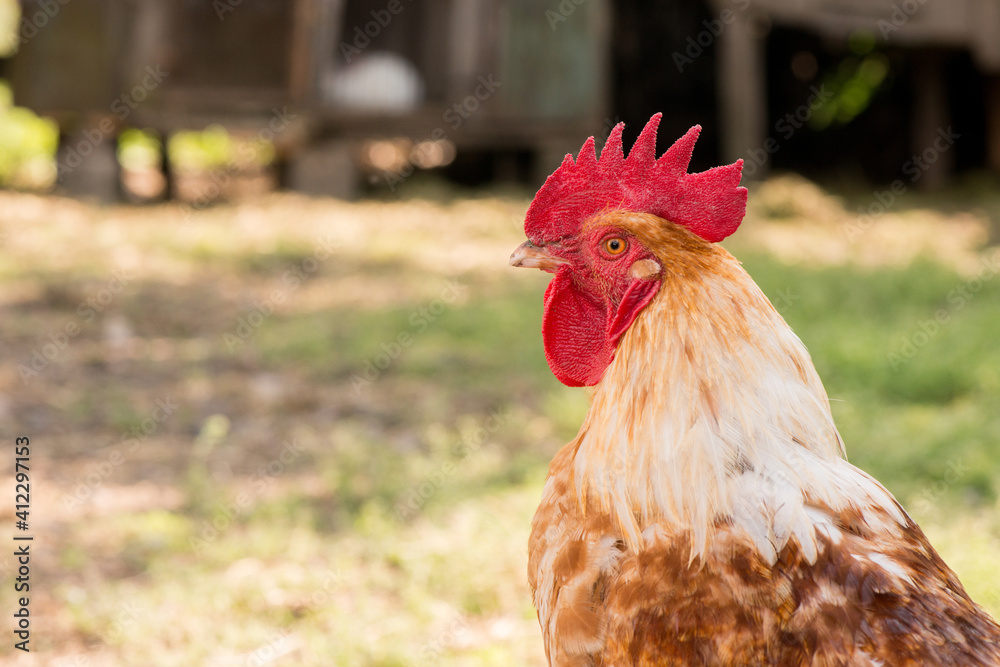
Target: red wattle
pixel 637 297
pixel 579 331
pixel 573 331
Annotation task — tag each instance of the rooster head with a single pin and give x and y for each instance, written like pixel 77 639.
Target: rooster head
pixel 606 228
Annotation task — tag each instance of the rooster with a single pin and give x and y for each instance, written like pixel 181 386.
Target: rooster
pixel 705 513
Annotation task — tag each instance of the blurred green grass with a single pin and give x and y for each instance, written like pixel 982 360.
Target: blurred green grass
pixel 903 419
pixel 287 510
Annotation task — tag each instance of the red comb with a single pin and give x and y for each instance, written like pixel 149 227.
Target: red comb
pixel 710 203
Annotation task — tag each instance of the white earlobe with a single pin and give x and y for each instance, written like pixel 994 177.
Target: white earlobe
pixel 645 268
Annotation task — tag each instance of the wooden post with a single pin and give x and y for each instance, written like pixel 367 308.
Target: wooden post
pixel 993 123
pixel 88 162
pixel 742 89
pixel 930 117
pixel 315 29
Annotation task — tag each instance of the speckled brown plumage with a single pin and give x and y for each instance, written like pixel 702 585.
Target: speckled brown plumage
pixel 607 606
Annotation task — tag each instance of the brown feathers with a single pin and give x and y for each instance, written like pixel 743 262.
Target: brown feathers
pixel 868 599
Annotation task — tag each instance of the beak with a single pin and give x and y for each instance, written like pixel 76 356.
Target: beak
pixel 530 256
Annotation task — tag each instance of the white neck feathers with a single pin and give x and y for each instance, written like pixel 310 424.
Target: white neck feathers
pixel 712 413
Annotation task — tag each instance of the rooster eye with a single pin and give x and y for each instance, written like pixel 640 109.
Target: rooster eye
pixel 615 246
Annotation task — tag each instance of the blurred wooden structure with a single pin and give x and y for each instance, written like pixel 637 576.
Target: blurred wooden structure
pixel 323 77
pixel 923 26
pixel 484 74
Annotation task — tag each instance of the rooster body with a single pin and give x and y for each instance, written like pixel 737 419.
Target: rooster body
pixel 705 513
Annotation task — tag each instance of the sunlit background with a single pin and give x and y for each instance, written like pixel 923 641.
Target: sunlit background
pixel 287 402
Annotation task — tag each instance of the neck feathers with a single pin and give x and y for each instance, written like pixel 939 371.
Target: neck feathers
pixel 713 414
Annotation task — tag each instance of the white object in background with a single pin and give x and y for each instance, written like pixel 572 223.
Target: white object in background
pixel 377 81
